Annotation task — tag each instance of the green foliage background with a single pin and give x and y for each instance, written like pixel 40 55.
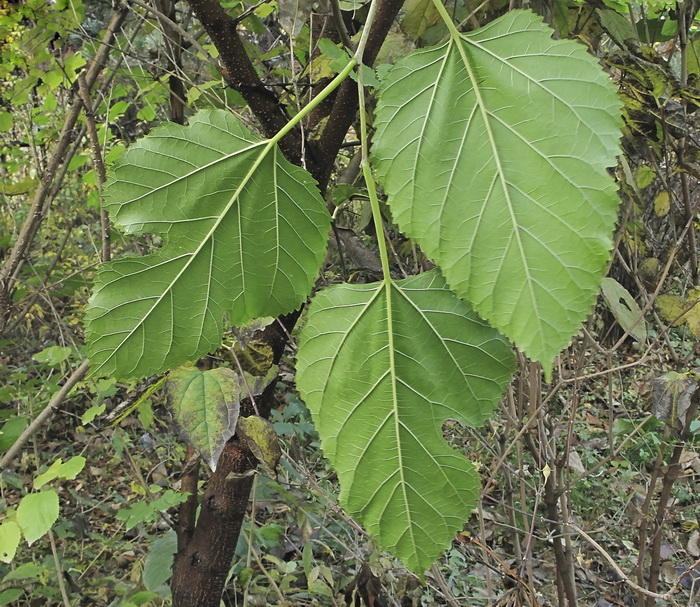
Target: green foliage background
pixel 128 485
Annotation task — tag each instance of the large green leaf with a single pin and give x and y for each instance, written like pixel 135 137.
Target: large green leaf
pixel 381 367
pixel 493 149
pixel 244 233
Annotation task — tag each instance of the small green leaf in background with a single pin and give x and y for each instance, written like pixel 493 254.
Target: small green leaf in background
pixel 11 431
pixel 36 514
pixel 625 309
pixel 205 407
pixel 26 571
pixel 420 15
pixel 9 540
pixel 10 595
pixel 382 367
pixel 58 469
pixel 619 28
pixel 157 569
pixel 493 149
pixel 92 413
pixel 5 121
pixel 53 355
pixel 244 232
pixel 645 176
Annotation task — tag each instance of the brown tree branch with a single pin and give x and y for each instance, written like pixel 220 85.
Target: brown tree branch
pixel 239 73
pixel 344 109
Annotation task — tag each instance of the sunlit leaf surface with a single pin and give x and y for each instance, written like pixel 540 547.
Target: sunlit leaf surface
pixel 382 367
pixel 493 149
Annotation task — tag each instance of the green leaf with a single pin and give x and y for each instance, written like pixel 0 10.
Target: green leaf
pixel 36 514
pixel 53 355
pixel 9 540
pixel 26 571
pixel 244 235
pixel 157 569
pixel 381 367
pixel 92 413
pixel 10 595
pixel 205 407
pixel 493 149
pixel 11 431
pixel 58 469
pixel 5 122
pixel 625 309
pixel 420 15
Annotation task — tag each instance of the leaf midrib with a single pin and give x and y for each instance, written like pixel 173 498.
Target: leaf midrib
pixel 501 173
pixel 234 197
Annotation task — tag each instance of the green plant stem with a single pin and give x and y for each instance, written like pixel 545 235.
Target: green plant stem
pixel 371 186
pixel 59 570
pixel 309 107
pixel 359 53
pixel 454 32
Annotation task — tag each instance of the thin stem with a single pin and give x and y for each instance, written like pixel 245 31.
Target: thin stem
pixel 340 24
pixel 359 53
pixel 59 570
pixel 309 107
pixel 369 180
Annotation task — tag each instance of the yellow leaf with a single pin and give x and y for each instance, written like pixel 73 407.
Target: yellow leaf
pixel 662 204
pixel 671 308
pixel 261 438
pixel 546 471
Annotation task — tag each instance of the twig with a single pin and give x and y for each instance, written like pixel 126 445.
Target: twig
pixel 98 161
pixel 39 420
pixel 623 576
pixel 444 588
pixel 59 570
pixel 340 25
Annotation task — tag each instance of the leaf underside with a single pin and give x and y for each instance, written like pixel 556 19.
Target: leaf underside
pixel 205 407
pixel 380 380
pixel 244 234
pixel 493 149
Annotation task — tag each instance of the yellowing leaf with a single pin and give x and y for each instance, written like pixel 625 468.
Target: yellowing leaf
pixel 671 309
pixel 662 204
pixel 205 407
pixel 681 310
pixel 261 438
